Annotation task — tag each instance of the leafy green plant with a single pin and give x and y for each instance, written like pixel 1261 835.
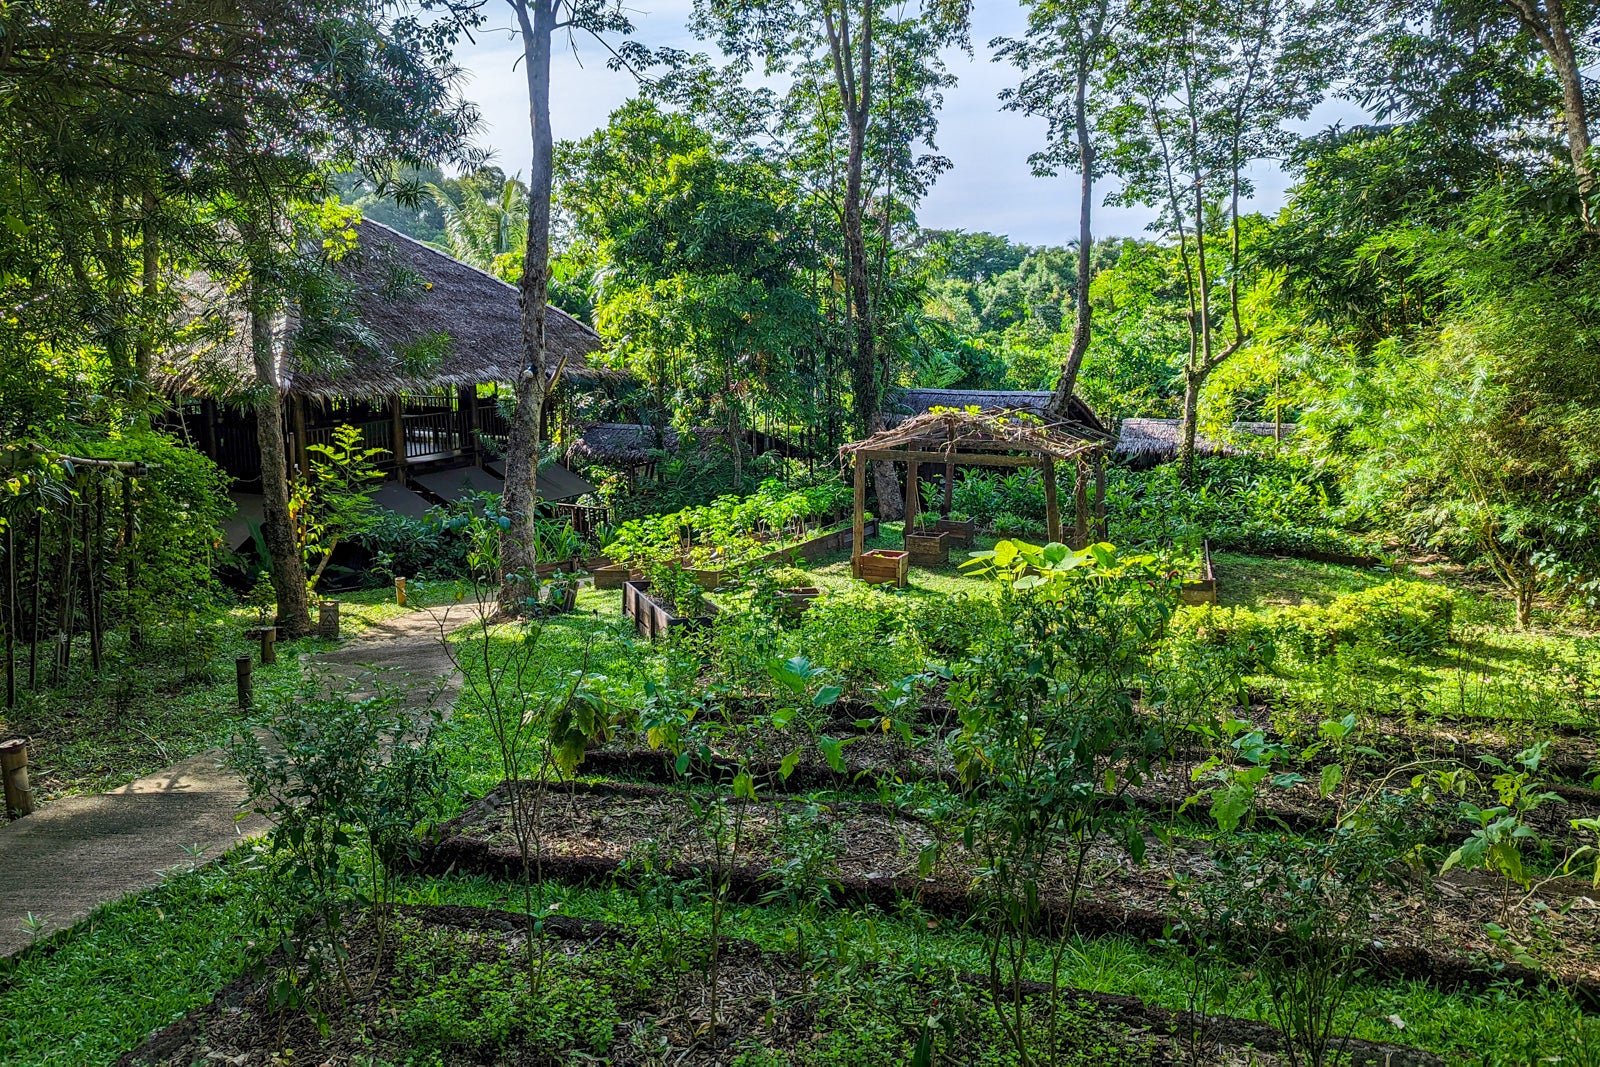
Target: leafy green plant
pixel 345 784
pixel 331 502
pixel 1500 831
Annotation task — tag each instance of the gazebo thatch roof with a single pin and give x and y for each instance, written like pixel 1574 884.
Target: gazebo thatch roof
pixel 621 443
pixel 1034 402
pixel 1148 442
pixel 993 432
pixel 422 319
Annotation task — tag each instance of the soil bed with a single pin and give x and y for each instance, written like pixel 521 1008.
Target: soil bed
pixel 603 830
pixel 453 989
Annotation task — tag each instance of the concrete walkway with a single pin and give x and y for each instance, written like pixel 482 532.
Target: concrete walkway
pixel 73 855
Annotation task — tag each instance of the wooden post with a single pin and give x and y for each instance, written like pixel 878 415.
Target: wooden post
pixel 469 420
pixel 400 591
pixel 269 645
pixel 913 495
pixel 1080 506
pixel 1101 532
pixel 328 620
pixel 858 542
pixel 398 431
pixel 302 454
pixel 1052 506
pixel 11 617
pixel 949 489
pixel 14 770
pixel 241 674
pixel 208 410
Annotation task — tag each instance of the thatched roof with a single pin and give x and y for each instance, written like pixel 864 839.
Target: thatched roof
pixel 423 320
pixel 1147 442
pixel 997 430
pixel 921 401
pixel 622 443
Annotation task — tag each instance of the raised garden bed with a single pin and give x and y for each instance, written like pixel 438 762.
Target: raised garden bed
pixel 611 576
pixel 928 548
pixel 570 566
pixel 962 532
pixel 795 601
pixel 882 566
pixel 652 618
pixel 1204 589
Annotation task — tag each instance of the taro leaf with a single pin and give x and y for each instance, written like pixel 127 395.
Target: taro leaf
pixel 828 694
pixel 783 716
pixel 790 762
pixel 1332 774
pixel 833 752
pixel 683 762
pixel 1229 804
pixel 744 786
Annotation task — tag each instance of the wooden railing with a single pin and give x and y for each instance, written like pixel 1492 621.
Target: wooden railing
pixel 434 435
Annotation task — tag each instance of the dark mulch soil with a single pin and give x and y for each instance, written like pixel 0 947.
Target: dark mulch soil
pixel 602 830
pixel 440 991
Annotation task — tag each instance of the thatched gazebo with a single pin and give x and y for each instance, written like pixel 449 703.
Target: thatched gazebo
pixel 996 437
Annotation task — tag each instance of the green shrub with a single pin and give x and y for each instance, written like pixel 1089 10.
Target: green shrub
pixel 1247 637
pixel 864 635
pixel 955 625
pixel 1409 618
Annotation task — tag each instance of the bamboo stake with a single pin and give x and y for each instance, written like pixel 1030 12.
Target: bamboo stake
pixel 241 670
pixel 400 591
pixel 95 573
pixel 14 771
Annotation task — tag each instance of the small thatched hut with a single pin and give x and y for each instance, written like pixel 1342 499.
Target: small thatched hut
pixel 1146 443
pixel 418 370
pixel 912 402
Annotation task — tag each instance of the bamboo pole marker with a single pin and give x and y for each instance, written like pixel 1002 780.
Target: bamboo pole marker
pixel 1080 507
pixel 328 620
pixel 14 770
pixel 269 645
pixel 400 591
pixel 241 669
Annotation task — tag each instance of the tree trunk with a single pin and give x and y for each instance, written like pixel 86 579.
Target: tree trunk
pixel 1550 29
pixel 288 570
pixel 520 498
pixel 1192 381
pixel 1061 401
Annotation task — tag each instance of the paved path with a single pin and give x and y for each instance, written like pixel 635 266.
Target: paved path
pixel 71 856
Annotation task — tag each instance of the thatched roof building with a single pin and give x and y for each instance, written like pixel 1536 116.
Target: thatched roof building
pixel 1144 443
pixel 622 444
pixel 423 321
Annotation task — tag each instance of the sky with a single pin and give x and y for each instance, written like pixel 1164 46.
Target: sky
pixel 990 187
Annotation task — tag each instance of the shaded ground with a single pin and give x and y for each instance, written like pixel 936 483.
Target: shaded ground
pixel 71 856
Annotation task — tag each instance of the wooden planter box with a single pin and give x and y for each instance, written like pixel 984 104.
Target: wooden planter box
pixel 611 577
pixel 959 531
pixel 651 619
pixel 882 566
pixel 1203 591
pixel 930 548
pixel 545 570
pixel 708 578
pixel 797 600
pixel 594 563
pixel 565 603
pixel 818 546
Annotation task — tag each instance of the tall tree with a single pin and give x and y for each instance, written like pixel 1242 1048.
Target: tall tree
pixel 1066 55
pixel 1205 89
pixel 853 40
pixel 537 23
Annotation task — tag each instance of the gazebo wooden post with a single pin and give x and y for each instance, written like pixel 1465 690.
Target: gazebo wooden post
pixel 949 489
pixel 297 414
pixel 468 400
pixel 858 535
pixel 1080 506
pixel 1052 507
pixel 913 494
pixel 1101 533
pixel 397 431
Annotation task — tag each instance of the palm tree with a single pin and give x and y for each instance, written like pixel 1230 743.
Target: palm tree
pixel 488 232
